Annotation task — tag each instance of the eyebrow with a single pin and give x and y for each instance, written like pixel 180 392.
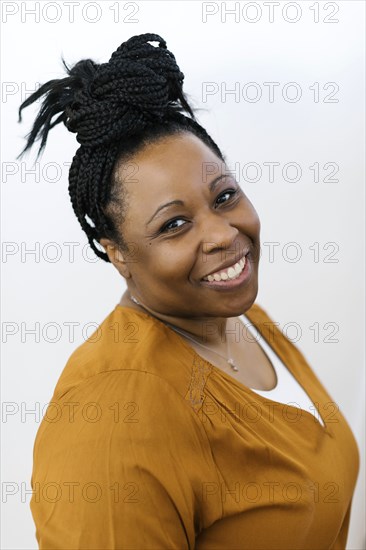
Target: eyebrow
pixel 212 186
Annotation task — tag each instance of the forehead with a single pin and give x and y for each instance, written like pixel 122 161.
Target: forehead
pixel 168 164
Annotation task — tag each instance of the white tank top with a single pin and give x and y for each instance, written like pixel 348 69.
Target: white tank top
pixel 287 390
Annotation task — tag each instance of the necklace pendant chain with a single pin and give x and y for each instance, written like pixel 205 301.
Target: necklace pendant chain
pixel 230 361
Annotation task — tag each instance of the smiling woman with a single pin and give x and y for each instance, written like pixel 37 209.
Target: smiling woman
pixel 186 423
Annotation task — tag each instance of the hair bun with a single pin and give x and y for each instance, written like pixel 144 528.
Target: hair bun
pixel 141 84
pixel 135 88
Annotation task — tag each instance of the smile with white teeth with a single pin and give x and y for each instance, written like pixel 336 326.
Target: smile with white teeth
pixel 230 273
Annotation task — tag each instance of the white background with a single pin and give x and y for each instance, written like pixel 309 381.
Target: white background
pixel 37 211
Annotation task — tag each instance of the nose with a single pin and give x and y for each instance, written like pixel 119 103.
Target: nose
pixel 218 234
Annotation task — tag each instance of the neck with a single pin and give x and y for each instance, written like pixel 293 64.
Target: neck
pixel 208 330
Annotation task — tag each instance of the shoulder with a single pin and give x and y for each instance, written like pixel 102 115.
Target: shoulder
pixel 133 404
pixel 140 393
pixel 119 424
pixel 130 342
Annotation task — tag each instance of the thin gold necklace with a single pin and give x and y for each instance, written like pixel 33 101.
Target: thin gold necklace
pixel 229 360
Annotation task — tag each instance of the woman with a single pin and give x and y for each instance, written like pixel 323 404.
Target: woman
pixel 187 420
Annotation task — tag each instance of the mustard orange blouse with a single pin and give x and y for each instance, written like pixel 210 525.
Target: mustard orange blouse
pixel 146 445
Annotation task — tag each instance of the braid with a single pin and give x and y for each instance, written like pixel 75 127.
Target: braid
pixel 114 108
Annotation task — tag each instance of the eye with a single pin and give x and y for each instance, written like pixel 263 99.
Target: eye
pixel 165 228
pixel 230 192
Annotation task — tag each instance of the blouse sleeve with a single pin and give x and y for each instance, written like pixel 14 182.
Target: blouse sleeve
pixel 119 462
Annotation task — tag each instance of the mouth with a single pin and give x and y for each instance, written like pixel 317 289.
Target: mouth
pixel 230 277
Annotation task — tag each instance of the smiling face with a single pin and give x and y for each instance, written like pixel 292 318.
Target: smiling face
pixel 211 225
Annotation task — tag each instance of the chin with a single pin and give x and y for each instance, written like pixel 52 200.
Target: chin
pixel 241 304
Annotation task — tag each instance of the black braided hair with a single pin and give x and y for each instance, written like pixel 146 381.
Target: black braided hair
pixel 115 109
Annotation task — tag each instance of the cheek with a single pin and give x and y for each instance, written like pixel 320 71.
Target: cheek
pixel 167 261
pixel 251 219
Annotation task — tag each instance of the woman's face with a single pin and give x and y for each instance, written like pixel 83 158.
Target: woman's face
pixel 173 248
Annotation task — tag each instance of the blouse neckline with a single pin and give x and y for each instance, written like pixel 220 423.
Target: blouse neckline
pixel 219 372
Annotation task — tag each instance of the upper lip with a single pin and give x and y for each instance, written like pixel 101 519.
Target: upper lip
pixel 228 263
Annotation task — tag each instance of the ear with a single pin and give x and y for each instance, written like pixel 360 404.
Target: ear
pixel 116 257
